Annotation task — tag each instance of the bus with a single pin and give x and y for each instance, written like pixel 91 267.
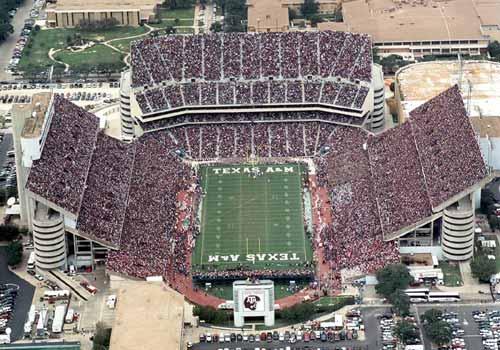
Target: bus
pixel 31 261
pixel 418 297
pixel 443 297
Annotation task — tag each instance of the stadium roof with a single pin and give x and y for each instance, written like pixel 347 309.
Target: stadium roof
pixel 153 323
pixel 179 72
pixel 402 176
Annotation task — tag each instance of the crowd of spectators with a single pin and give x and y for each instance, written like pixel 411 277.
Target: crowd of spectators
pixel 60 174
pixel 225 118
pixel 105 198
pixel 151 243
pixel 304 271
pixel 127 194
pixel 251 56
pixel 397 177
pixel 449 152
pixel 345 172
pixel 251 93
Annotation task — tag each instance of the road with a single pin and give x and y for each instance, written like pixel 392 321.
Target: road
pixel 5 146
pixel 208 16
pixel 7 47
pixel 23 300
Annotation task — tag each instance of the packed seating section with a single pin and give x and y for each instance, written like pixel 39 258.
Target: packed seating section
pixel 246 65
pixel 376 184
pixel 252 93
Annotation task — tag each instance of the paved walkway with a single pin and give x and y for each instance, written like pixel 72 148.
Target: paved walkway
pixel 51 54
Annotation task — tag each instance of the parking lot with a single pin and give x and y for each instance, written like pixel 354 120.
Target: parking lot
pixel 341 331
pixel 464 315
pixel 23 36
pixel 23 299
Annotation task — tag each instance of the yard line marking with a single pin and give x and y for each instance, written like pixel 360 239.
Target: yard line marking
pixel 302 211
pixel 247 245
pixel 259 245
pixel 204 216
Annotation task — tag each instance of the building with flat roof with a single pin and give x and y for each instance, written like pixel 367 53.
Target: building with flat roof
pixel 148 316
pixel 324 6
pixel 416 28
pixel 69 13
pixel 267 16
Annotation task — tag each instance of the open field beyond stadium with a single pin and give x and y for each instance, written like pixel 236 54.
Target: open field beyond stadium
pixel 252 216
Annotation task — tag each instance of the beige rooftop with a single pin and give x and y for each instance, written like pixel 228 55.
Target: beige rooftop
pixel 488 12
pixel 479 80
pixel 411 20
pixel 267 14
pixel 37 108
pixel 149 316
pixel 99 5
pixel 486 127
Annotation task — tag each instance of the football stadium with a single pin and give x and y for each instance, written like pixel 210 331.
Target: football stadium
pixel 252 217
pixel 250 156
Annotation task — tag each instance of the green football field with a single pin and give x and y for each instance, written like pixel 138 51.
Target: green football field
pixel 252 216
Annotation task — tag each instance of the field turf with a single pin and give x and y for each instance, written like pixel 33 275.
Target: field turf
pixel 252 221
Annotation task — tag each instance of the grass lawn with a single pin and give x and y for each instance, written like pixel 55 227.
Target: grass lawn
pixel 185 30
pixel 44 40
pixel 182 22
pixel 124 44
pixel 93 56
pixel 451 272
pixel 331 301
pixel 225 290
pixel 252 221
pixel 178 13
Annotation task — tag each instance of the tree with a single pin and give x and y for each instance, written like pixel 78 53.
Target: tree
pixel 102 337
pixel 178 4
pixel 406 331
pixel 482 267
pixel 431 316
pixel 392 278
pixel 216 27
pixel 170 30
pixel 8 232
pixel 439 332
pixel 309 8
pixel 292 14
pixel 494 49
pixel 493 221
pixel 235 13
pixel 400 302
pixel 14 253
pixel 487 200
pixel 298 312
pixel 315 19
pixel 210 314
